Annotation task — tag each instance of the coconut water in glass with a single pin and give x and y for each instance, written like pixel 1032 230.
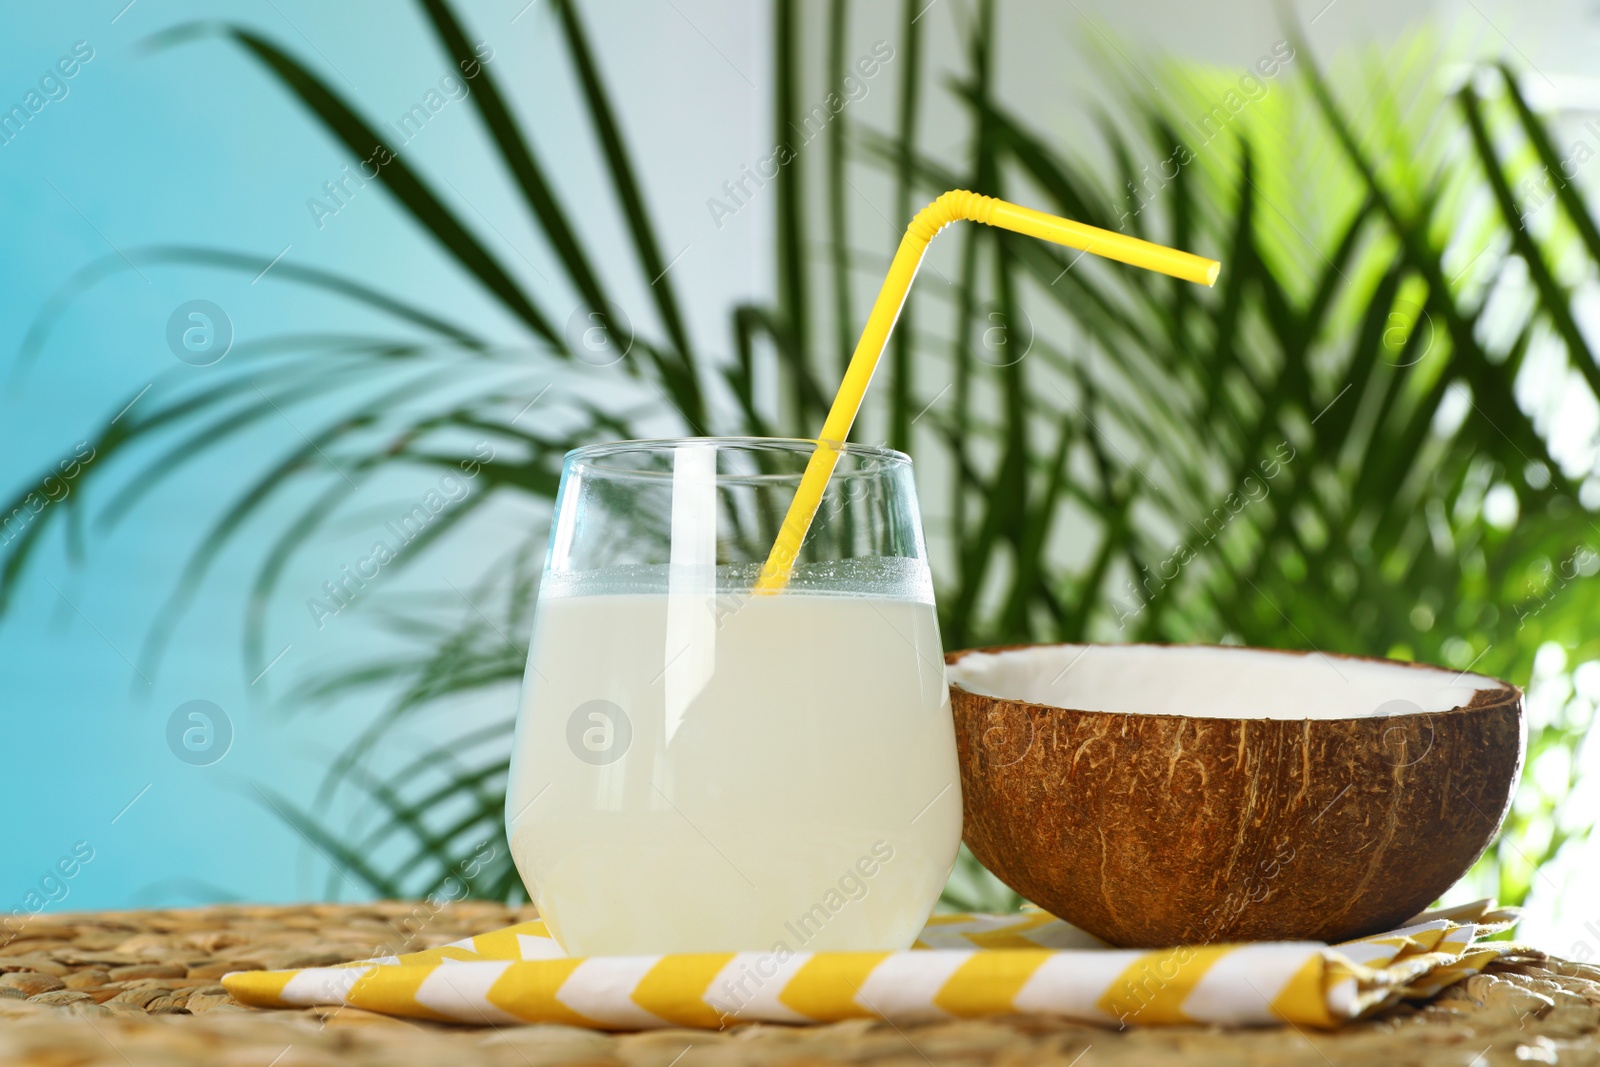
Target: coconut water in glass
pixel 701 769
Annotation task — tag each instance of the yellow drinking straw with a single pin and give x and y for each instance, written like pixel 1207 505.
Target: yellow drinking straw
pixel 950 207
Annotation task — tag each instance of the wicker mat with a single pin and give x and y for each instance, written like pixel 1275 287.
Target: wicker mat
pixel 136 988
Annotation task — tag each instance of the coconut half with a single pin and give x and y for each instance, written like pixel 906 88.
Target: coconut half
pixel 1166 795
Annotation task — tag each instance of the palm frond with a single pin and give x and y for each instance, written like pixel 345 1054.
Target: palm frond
pixel 392 171
pixel 1298 458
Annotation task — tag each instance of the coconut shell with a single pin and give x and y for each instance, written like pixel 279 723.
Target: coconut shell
pixel 1151 831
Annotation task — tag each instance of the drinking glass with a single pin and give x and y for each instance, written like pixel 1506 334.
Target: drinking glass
pixel 700 769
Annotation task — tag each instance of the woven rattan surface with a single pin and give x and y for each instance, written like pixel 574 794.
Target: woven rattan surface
pixel 136 988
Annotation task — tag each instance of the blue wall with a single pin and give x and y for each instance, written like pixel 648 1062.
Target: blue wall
pixel 195 144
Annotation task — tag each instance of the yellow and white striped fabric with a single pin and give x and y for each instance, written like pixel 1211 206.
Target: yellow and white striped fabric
pixel 961 966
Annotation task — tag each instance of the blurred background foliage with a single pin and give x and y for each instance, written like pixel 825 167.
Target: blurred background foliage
pixel 1353 443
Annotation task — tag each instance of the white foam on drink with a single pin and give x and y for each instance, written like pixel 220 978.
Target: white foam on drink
pixel 880 577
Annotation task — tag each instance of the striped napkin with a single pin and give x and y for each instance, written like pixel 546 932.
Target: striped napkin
pixel 961 966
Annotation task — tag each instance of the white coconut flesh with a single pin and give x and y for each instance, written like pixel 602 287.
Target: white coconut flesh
pixel 1212 682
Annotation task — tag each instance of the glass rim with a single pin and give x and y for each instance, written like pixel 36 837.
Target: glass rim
pixel 585 455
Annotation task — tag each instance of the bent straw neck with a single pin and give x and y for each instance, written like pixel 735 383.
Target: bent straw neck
pixel 951 207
